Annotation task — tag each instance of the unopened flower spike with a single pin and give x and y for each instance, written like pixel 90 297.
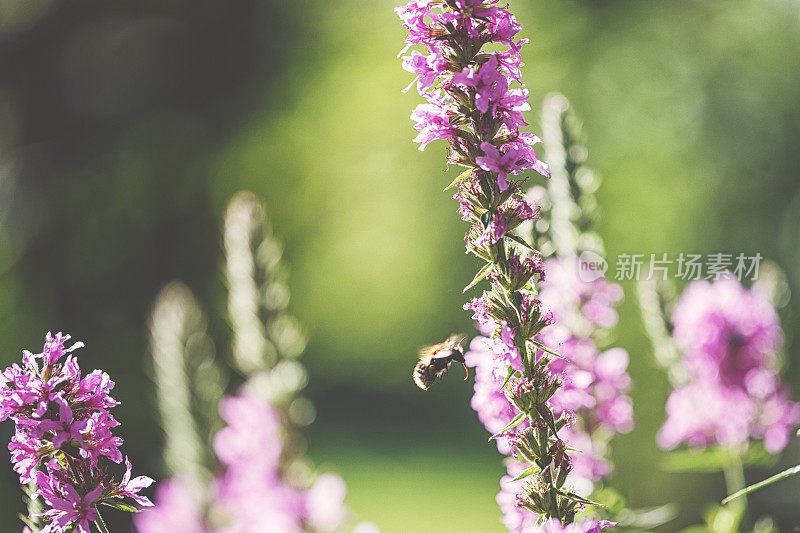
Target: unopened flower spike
pixel 256 479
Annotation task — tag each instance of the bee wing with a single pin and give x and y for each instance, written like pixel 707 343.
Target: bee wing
pixel 453 341
pixel 426 352
pixel 424 359
pixel 456 340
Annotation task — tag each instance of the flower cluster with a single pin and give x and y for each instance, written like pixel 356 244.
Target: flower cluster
pixel 64 437
pixel 468 93
pixel 730 338
pixel 250 494
pixel 475 100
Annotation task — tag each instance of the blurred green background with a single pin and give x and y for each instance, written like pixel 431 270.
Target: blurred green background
pixel 125 126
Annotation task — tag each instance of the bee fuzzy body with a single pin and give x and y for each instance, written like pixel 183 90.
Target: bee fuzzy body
pixel 435 361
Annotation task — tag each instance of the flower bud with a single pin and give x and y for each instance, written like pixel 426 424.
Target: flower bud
pixel 515 272
pixel 525 445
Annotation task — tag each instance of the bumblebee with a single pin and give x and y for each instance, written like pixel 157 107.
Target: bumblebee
pixel 434 361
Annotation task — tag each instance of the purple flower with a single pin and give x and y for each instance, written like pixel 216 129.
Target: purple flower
pixel 729 417
pixel 177 511
pixel 432 123
pixel 94 390
pixel 413 16
pixel 504 27
pixel 54 348
pixel 515 518
pixel 594 381
pixel 726 331
pixel 65 428
pixel 24 456
pixel 325 501
pixel 490 358
pixel 519 520
pixel 68 508
pixel 511 106
pixel 475 109
pixel 250 489
pixel 501 163
pixel 518 271
pixel 490 85
pixel 526 155
pixel 723 419
pixel 731 339
pixel 481 307
pixel 249 420
pixel 581 305
pixel 427 68
pixel 131 487
pixel 517 211
pixel 249 495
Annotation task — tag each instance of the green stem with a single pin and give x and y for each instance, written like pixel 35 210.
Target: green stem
pixel 735 481
pixel 769 481
pixel 100 523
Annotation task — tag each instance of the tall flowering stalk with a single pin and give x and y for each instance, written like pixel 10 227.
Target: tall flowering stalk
pixel 64 439
pixel 475 100
pixel 259 482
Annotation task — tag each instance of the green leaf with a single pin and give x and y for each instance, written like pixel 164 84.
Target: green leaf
pixel 28 522
pixel 121 505
pixel 547 416
pixel 548 350
pixel 519 240
pixel 482 273
pixel 581 499
pixel 769 481
pixel 514 423
pixel 715 459
pixel 458 179
pixel 62 460
pixel 527 472
pixel 511 373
